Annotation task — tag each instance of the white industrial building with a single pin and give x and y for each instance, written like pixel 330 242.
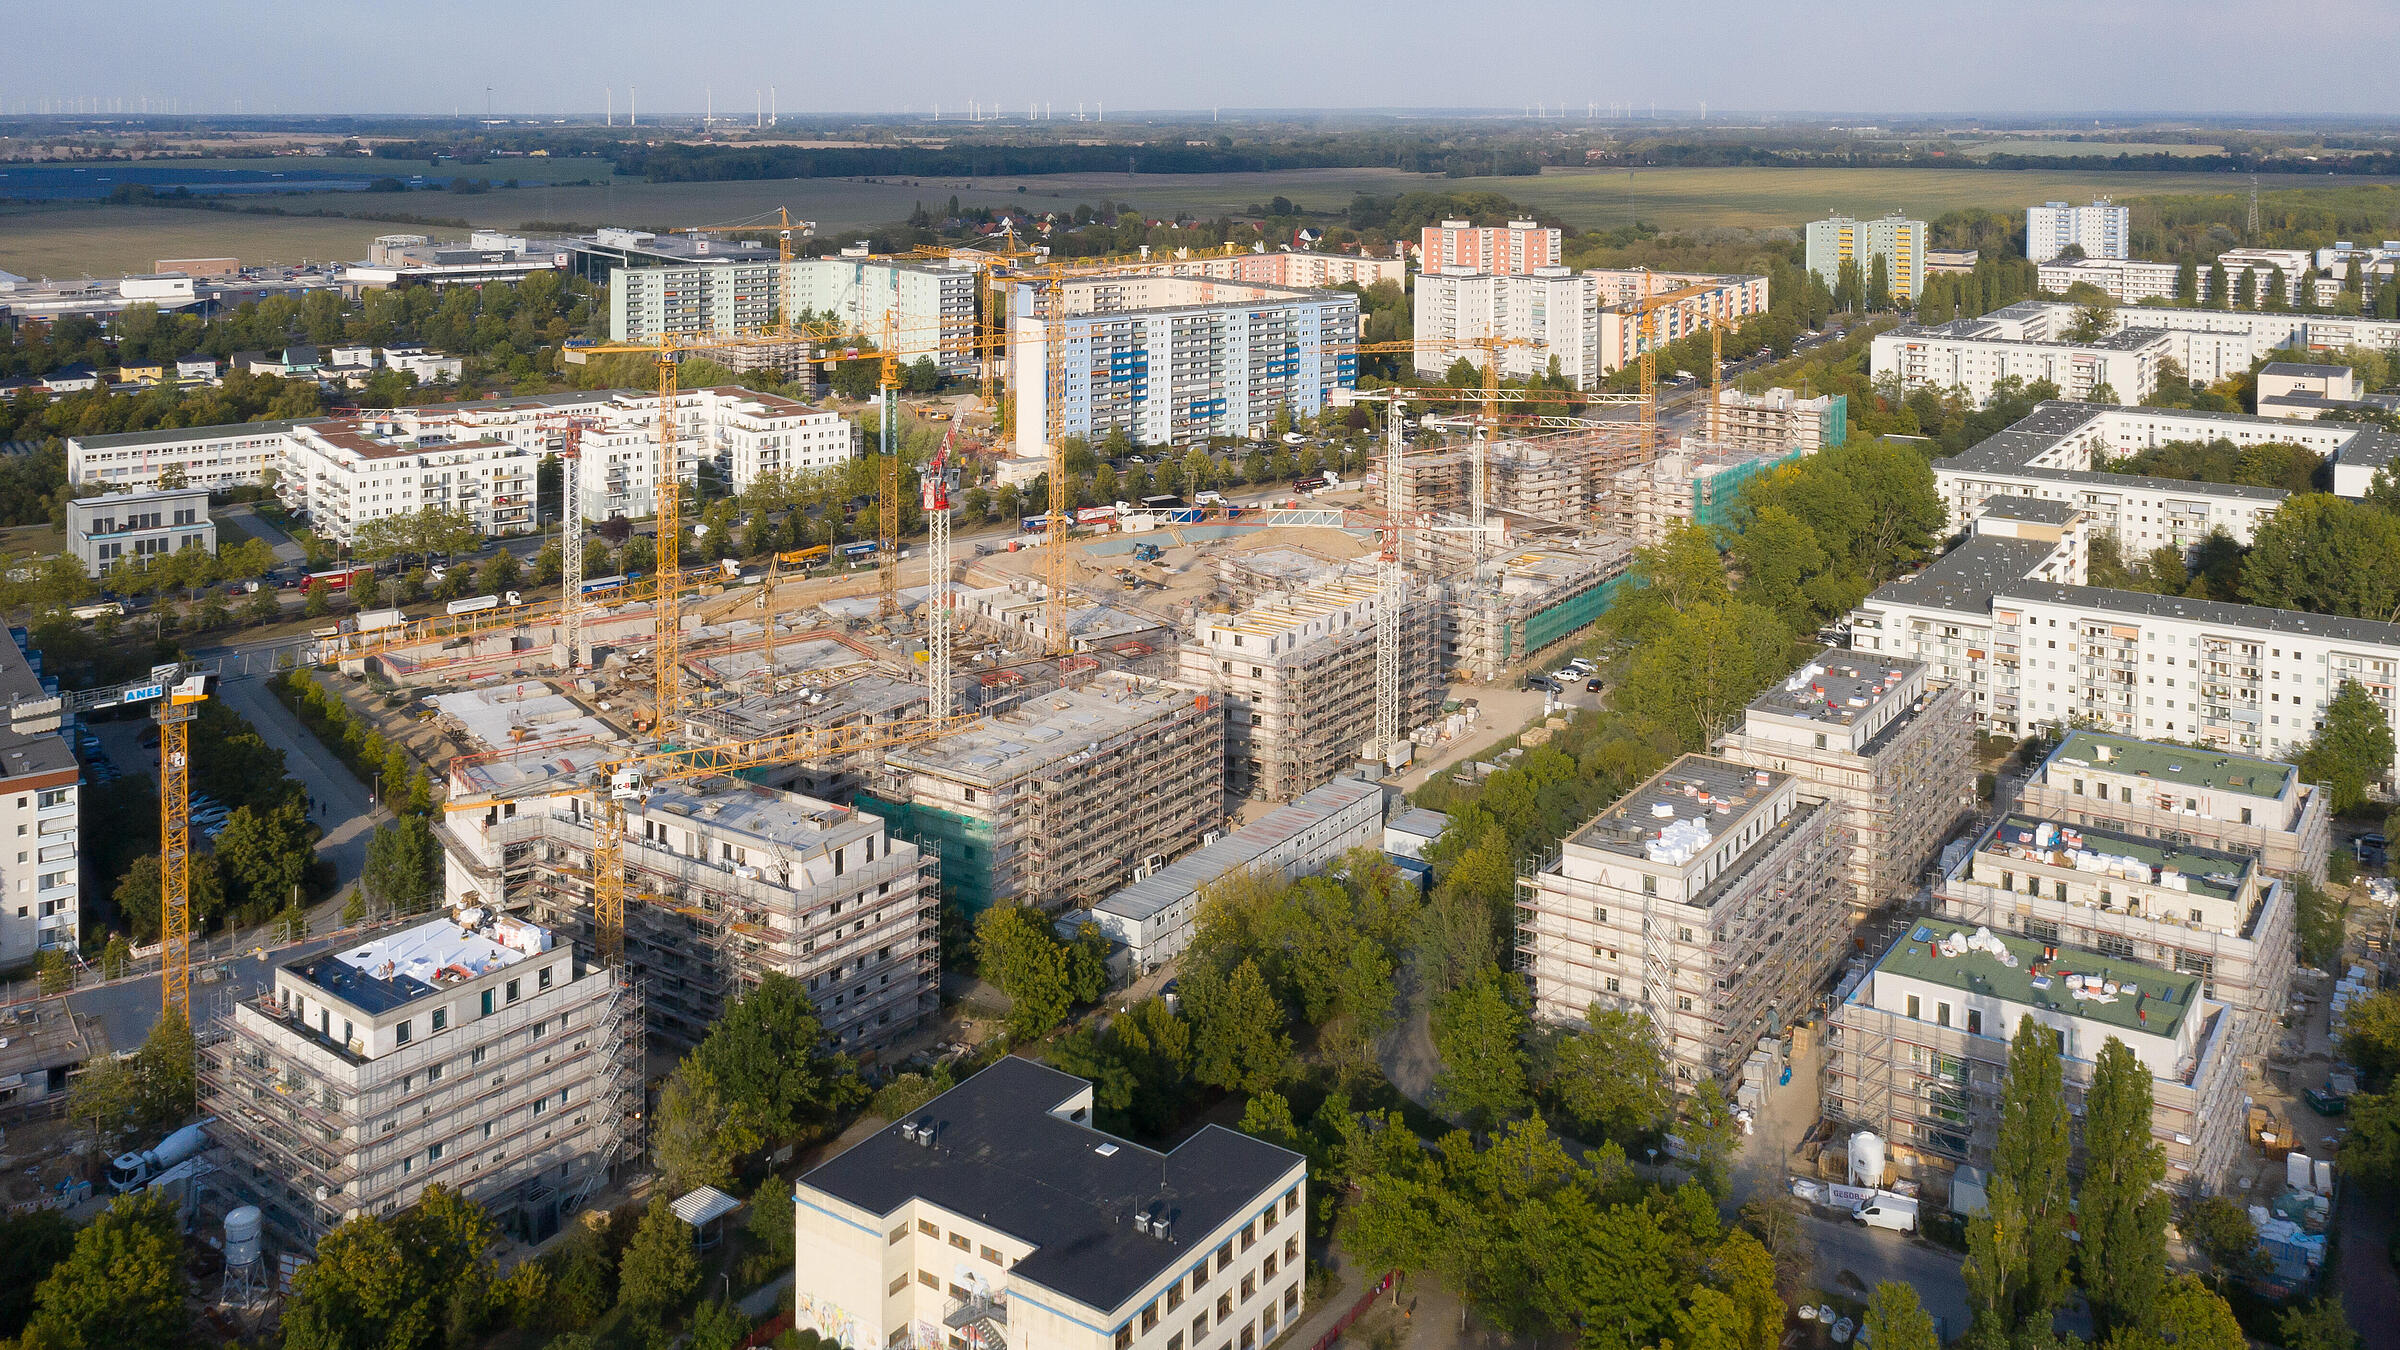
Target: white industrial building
pixel 117 528
pixel 1152 919
pixel 2101 230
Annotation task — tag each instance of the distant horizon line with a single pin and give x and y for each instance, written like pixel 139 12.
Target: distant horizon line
pixel 958 113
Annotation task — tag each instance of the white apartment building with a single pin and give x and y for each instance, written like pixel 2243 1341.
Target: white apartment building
pixel 998 1216
pixel 2010 620
pixel 1662 903
pixel 231 455
pixel 1918 1050
pixel 2127 281
pixel 1279 267
pixel 2237 804
pixel 2296 265
pixel 928 304
pixel 1519 247
pixel 1551 312
pixel 1174 360
pixel 1679 305
pixel 1901 243
pixel 107 532
pixel 2101 230
pixel 344 472
pixel 41 791
pixel 1974 355
pixel 470 1050
pixel 749 435
pixel 2049 454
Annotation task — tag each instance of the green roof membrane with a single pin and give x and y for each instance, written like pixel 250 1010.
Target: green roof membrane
pixel 2155 1004
pixel 2172 764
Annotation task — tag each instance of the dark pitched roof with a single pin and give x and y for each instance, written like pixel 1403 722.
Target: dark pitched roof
pixel 999 1157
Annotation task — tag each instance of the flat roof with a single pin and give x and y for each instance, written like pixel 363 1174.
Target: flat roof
pixel 2301 368
pixel 2008 506
pixel 999 1156
pixel 1170 885
pixel 2035 838
pixel 2148 1000
pixel 1048 727
pixel 785 820
pixel 2167 763
pixel 1837 685
pixel 1683 808
pixel 397 969
pixel 27 753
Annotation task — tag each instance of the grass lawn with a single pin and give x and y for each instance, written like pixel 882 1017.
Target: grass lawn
pixel 73 240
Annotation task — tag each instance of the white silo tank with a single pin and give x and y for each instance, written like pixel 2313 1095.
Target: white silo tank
pixel 241 1235
pixel 1866 1158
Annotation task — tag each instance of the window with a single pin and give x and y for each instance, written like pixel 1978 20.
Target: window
pixel 433 1153
pixel 1199 1328
pixel 487 1002
pixel 433 1073
pixel 959 1240
pixel 1174 1296
pixel 898 1285
pixel 893 1238
pixel 1941 1014
pixel 441 1019
pixel 1224 1256
pixel 404 1033
pixel 1291 1300
pixel 513 989
pixel 1974 1021
pixel 1124 1336
pixel 476 1055
pixel 1249 1287
pixel 1175 1342
pixel 928 1229
pixel 1268 1271
pixel 992 1255
pixel 1914 1014
pixel 1199 1275
pixel 541 978
pixel 1599 914
pixel 1150 1317
pixel 1249 1236
pixel 925 1277
pixel 1224 1307
pixel 1649 885
pixel 1291 1251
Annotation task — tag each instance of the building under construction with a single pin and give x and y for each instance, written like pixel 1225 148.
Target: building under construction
pixel 1552 479
pixel 1775 420
pixel 1527 598
pixel 1057 800
pixel 1296 675
pixel 1711 899
pixel 727 879
pixel 1698 482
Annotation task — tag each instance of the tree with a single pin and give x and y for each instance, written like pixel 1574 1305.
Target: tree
pixel 1609 1079
pixel 317 600
pixel 2352 750
pixel 1895 1320
pixel 717 1324
pixel 1238 1041
pixel 2371 1038
pixel 767 1057
pixel 120 1286
pixel 1879 283
pixel 31 1246
pixel 660 1269
pixel 1994 1269
pixel 1710 1135
pixel 2321 1325
pixel 166 1073
pixel 770 1221
pixel 2326 555
pixel 414 1281
pixel 499 575
pixel 697 1141
pixel 404 864
pixel 2032 1154
pixel 581 1276
pixel 2320 920
pixel 2221 1229
pixel 2189 1316
pixel 1479 1032
pixel 2092 322
pixel 265 855
pixel 1016 951
pixel 2122 1212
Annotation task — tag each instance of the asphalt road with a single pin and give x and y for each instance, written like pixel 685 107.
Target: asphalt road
pixel 1854 1258
pixel 341 801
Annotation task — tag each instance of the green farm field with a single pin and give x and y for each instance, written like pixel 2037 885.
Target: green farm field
pixel 69 241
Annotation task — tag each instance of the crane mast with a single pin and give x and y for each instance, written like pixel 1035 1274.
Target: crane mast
pixel 939 696
pixel 175 855
pixel 668 649
pixel 1054 430
pixel 570 547
pixel 1394 579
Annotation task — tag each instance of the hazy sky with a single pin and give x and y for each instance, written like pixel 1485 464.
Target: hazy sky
pixel 430 56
